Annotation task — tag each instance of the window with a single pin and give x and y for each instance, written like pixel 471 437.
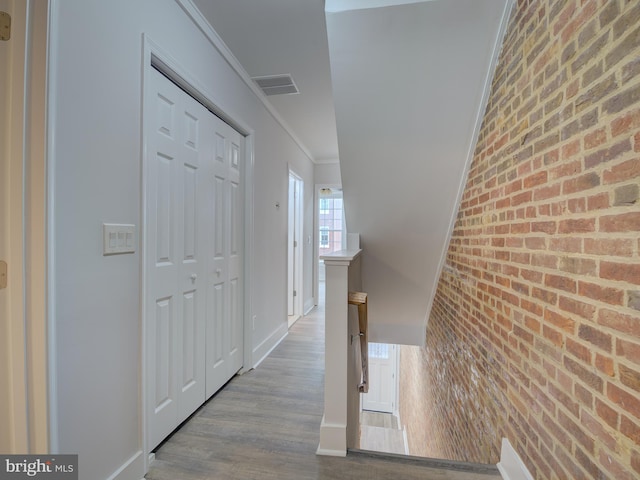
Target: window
pixel 324 237
pixel 331 223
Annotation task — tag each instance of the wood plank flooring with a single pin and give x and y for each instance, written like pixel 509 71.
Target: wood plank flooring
pixel 265 425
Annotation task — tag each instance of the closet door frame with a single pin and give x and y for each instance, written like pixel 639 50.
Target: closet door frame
pixel 155 57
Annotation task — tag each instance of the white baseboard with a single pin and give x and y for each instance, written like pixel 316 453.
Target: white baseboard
pixel 309 305
pixel 263 350
pixel 511 466
pixel 333 439
pixel 132 469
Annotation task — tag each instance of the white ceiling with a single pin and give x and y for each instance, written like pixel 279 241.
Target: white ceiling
pixel 272 37
pixel 409 80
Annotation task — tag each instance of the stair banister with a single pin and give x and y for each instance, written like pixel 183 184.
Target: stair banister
pixel 340 425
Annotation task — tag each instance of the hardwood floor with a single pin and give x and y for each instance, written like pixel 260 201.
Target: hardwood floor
pixel 265 425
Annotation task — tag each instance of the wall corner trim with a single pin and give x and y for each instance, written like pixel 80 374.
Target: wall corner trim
pixel 511 466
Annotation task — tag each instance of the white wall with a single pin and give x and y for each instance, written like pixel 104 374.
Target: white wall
pixel 409 83
pixel 328 174
pixel 96 114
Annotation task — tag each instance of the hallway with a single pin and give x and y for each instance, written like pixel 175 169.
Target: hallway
pixel 265 425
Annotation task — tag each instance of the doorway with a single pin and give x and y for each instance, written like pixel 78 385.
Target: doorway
pixel 380 427
pixel 295 248
pixel 331 230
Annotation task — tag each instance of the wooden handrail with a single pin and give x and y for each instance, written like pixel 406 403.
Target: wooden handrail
pixel 359 299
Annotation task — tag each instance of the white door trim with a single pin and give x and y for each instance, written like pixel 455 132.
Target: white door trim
pixel 156 57
pixel 298 252
pixel 24 137
pixel 316 236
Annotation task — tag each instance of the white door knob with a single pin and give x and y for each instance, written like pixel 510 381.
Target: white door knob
pixel 194 277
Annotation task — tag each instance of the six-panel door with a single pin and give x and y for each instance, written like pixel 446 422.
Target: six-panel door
pixel 193 249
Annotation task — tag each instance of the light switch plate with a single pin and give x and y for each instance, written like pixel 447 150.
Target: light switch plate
pixel 118 238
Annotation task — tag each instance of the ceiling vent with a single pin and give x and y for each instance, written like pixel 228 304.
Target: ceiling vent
pixel 276 84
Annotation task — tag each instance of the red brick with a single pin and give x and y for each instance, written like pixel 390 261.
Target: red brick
pixel 561 321
pixel 606 413
pixel 605 365
pixel 624 222
pixel 613 468
pixel 553 335
pixel 623 272
pixel 584 395
pixel 521 198
pixel 536 179
pixel 538 340
pixel 577 307
pixel 635 460
pixel 596 138
pixel 544 227
pixel 597 292
pixel 628 350
pixel 598 201
pixel 580 184
pixel 595 336
pixel 576 432
pixel 629 402
pixel 560 282
pixel 535 243
pixel 545 295
pixel 583 225
pixel 625 123
pixel 629 377
pixel 583 373
pixel 568 244
pixel 622 172
pixel 578 350
pixel 622 247
pixel 631 429
pixel 579 266
pixel 546 192
pixel 607 154
pixel 577 205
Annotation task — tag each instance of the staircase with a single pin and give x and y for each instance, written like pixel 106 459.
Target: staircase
pixel 380 432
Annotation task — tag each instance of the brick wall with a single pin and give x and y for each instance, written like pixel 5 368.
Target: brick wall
pixel 535 331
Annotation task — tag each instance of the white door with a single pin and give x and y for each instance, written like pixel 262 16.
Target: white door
pixel 224 275
pixel 295 245
pixel 382 378
pixel 193 251
pixel 291 247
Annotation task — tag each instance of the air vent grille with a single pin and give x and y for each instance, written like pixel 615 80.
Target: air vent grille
pixel 276 84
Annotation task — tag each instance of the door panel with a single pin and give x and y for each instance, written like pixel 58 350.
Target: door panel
pixel 176 236
pixel 382 378
pixel 225 324
pixel 194 229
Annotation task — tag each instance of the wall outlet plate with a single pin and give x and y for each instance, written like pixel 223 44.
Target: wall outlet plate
pixel 118 238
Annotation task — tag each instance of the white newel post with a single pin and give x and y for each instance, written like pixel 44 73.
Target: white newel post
pixel 334 430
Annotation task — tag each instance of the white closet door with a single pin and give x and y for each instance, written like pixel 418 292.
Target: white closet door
pixel 176 249
pixel 224 278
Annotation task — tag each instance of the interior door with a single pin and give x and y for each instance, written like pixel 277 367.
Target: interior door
pixel 382 378
pixel 224 354
pixel 176 238
pixel 291 257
